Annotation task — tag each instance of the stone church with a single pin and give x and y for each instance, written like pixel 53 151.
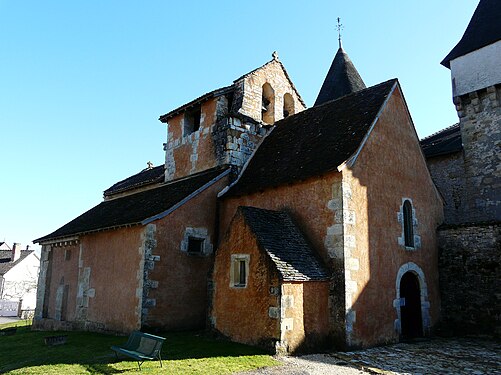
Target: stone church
pixel 273 224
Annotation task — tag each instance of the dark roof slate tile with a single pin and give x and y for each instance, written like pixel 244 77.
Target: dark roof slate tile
pixel 342 79
pixel 444 142
pixel 133 209
pixel 312 142
pixel 145 177
pixel 284 243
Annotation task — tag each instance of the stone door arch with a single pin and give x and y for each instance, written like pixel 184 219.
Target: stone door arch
pixel 411 303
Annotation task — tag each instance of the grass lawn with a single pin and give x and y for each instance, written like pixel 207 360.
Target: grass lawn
pixel 90 353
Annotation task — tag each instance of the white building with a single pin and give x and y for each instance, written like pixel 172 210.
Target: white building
pixel 18 276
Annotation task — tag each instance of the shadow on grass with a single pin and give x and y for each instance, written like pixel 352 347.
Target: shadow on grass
pixel 92 351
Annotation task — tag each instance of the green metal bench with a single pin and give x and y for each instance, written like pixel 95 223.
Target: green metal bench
pixel 141 346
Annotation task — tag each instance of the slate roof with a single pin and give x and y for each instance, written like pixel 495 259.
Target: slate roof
pixel 444 142
pixel 342 79
pixel 484 29
pixel 135 208
pixel 312 142
pixel 282 240
pixel 145 177
pixel 5 260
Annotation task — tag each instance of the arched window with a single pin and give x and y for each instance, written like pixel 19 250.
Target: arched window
pixel 288 105
pixel 408 224
pixel 268 104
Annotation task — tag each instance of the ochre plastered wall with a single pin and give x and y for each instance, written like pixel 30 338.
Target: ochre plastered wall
pixel 62 272
pixel 188 154
pixel 310 204
pixel 243 314
pixel 113 259
pixel 179 297
pixel 305 322
pixel 104 283
pixel 389 168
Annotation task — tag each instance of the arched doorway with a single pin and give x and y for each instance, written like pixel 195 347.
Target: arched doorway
pixel 410 310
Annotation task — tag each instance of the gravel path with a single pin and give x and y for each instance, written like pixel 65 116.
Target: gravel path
pixel 313 364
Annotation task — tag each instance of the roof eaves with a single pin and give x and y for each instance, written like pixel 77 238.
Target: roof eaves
pixel 212 94
pixel 74 236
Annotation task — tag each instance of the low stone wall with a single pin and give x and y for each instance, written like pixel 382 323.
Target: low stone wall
pixel 470 279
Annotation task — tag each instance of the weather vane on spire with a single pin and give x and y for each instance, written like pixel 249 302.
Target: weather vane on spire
pixel 339 27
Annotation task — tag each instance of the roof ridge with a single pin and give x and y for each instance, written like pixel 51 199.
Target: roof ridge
pixel 439 131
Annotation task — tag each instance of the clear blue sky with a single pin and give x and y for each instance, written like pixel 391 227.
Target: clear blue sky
pixel 82 83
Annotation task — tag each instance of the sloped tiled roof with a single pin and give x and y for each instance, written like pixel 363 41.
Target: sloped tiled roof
pixel 135 208
pixel 444 142
pixel 342 79
pixel 312 142
pixel 5 260
pixel 145 177
pixel 282 240
pixel 484 29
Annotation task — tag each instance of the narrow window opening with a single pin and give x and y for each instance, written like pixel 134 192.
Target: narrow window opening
pixel 408 227
pixel 195 245
pixel 242 273
pixel 67 255
pixel 288 105
pixel 268 104
pixel 192 119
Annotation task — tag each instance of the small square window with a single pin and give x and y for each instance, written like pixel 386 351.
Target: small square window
pixel 195 245
pixel 192 118
pixel 239 270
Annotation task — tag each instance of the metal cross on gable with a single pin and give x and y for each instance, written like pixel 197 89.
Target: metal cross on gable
pixel 339 27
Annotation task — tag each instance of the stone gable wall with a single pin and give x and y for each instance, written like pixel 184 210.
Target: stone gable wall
pixel 448 173
pixel 249 91
pixel 389 170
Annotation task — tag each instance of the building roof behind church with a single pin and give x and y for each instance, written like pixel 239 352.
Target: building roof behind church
pixel 284 243
pixel 312 142
pixel 444 142
pixel 145 177
pixel 342 79
pixel 484 29
pixel 135 208
pixel 6 263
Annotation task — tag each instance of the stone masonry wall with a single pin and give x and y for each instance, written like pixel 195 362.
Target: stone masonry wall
pixel 470 279
pixel 480 122
pixel 248 95
pixel 448 174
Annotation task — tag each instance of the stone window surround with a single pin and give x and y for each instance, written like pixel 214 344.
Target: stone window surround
pixel 235 262
pixel 199 233
pixel 400 218
pixel 425 304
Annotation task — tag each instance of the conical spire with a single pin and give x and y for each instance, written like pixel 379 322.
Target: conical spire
pixel 342 79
